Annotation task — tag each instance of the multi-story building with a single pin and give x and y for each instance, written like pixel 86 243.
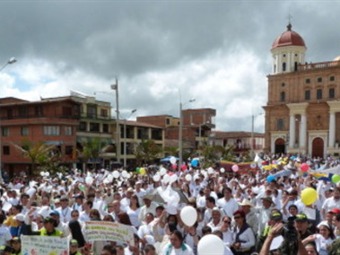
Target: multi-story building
pixel 197 124
pixel 133 133
pixel 51 121
pixel 243 143
pixel 303 108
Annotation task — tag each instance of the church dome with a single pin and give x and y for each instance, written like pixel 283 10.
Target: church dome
pixel 288 38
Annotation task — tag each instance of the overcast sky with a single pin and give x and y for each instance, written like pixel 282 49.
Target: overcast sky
pixel 217 52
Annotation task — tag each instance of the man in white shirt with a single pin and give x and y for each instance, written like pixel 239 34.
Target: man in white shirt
pixel 64 210
pixel 149 206
pixel 227 203
pixel 331 203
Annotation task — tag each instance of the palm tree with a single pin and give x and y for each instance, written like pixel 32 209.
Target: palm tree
pixel 147 151
pixel 91 150
pixel 40 154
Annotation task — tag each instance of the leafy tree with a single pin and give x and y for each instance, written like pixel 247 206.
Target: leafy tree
pixel 171 151
pixel 147 151
pixel 91 150
pixel 40 154
pixel 214 153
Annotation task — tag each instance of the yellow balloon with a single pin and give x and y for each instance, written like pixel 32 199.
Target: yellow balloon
pixel 142 171
pixel 309 196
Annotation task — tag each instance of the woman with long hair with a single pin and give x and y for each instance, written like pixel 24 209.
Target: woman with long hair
pixel 76 232
pixel 323 239
pixel 133 211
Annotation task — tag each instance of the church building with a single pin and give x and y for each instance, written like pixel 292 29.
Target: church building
pixel 303 107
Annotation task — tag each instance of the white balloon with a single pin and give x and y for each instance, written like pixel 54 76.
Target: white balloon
pixel 205 174
pixel 173 178
pixel 124 173
pixel 188 215
pixel 162 171
pixel 188 177
pixel 210 244
pixel 128 175
pixel 210 170
pixel 156 178
pixel 172 160
pixel 115 174
pixel 222 170
pixel 42 173
pixel 47 174
pixel 89 180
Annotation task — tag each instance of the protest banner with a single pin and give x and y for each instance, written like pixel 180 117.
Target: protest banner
pixel 44 245
pixel 109 231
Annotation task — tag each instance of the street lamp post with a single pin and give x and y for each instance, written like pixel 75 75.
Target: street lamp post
pixel 132 112
pixel 180 134
pixel 9 62
pixel 115 88
pixel 252 135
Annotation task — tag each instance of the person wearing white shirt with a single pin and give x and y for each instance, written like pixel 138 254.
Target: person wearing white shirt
pixel 176 246
pixel 244 235
pixel 64 210
pixel 149 206
pixel 331 203
pixel 210 204
pixel 227 203
pixel 216 219
pixel 5 234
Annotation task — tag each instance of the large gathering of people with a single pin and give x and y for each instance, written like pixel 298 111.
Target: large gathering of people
pixel 252 211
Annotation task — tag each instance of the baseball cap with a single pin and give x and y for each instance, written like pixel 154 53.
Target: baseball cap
pixel 301 217
pixel 49 220
pixel 269 199
pixel 335 211
pixel 54 212
pixel 276 216
pixel 73 242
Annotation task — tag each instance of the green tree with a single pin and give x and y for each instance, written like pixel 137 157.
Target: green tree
pixel 213 154
pixel 91 150
pixel 147 152
pixel 40 154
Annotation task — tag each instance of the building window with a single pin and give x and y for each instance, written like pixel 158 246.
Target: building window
pixel 51 130
pixel 5 131
pixel 280 124
pixel 319 94
pixel 283 84
pixel 283 67
pixel 6 150
pixel 331 93
pixel 82 126
pixel 142 133
pixel 319 79
pixel 91 111
pixel 307 94
pixel 23 111
pixel 24 131
pixel 68 130
pixel 94 127
pixel 105 128
pixel 282 96
pixel 284 55
pixel 67 111
pixel 332 78
pixel 307 81
pixel 38 110
pixel 103 112
pixel 167 121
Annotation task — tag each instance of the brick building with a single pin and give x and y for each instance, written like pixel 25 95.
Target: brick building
pixel 52 121
pixel 197 124
pixel 303 108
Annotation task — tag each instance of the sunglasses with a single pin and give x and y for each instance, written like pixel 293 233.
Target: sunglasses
pixel 237 217
pixel 226 221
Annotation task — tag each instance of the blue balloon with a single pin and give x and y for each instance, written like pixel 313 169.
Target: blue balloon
pixel 194 163
pixel 270 178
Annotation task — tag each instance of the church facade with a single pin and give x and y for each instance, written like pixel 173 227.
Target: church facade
pixel 302 114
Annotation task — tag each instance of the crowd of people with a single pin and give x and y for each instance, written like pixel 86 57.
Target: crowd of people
pixel 248 212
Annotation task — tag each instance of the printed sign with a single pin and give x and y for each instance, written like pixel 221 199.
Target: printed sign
pixel 109 231
pixel 44 245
